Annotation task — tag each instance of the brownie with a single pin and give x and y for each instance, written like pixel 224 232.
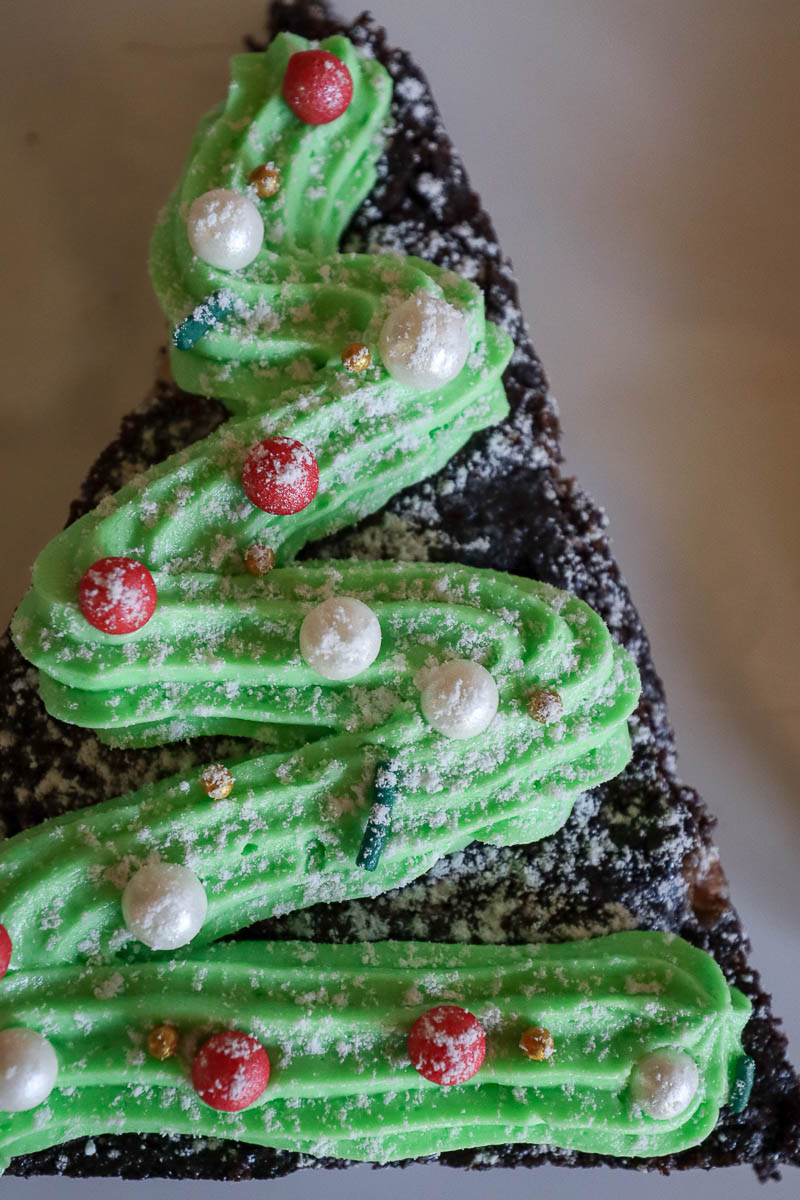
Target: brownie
pixel 637 852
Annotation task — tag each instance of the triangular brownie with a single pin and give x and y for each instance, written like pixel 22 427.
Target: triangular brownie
pixel 636 852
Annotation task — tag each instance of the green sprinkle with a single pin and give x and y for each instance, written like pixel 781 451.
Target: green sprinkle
pixel 742 1085
pixel 203 318
pixel 379 820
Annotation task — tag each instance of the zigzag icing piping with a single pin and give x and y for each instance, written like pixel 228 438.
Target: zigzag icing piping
pixel 221 655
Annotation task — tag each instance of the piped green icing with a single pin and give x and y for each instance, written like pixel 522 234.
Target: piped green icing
pixel 516 782
pixel 301 302
pixel 334 1020
pixel 220 656
pixel 276 362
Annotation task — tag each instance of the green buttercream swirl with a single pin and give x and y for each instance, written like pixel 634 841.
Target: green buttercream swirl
pixel 299 303
pixel 228 662
pixel 334 1020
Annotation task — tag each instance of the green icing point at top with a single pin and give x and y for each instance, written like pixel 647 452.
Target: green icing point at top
pixel 325 170
pixel 515 782
pixel 300 301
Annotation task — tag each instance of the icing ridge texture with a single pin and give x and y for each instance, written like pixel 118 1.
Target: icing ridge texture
pixel 335 1021
pixel 276 361
pixel 288 835
pixel 281 338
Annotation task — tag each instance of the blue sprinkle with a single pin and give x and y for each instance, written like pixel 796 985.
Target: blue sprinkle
pixel 202 319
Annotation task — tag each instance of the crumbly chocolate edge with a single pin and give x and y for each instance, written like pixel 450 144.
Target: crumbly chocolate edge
pixel 638 852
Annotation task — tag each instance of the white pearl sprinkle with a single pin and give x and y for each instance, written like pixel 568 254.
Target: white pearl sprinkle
pixel 459 698
pixel 664 1083
pixel 28 1069
pixel 225 229
pixel 164 905
pixel 424 342
pixel 340 638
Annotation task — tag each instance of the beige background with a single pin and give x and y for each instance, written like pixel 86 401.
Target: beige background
pixel 640 160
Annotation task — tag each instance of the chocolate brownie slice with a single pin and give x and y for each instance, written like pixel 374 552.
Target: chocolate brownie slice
pixel 637 853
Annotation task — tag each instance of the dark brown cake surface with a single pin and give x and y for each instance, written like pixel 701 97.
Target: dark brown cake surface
pixel 637 853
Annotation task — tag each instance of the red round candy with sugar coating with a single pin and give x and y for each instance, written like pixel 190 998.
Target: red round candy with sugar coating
pixel 117 595
pixel 317 86
pixel 281 476
pixel 447 1044
pixel 230 1071
pixel 5 950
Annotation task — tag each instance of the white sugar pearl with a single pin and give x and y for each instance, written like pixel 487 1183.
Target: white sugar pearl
pixel 664 1083
pixel 164 905
pixel 28 1069
pixel 459 698
pixel 424 342
pixel 340 638
pixel 225 229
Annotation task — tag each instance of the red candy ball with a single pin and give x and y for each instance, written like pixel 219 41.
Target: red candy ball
pixel 5 950
pixel 117 595
pixel 281 476
pixel 447 1045
pixel 317 86
pixel 230 1071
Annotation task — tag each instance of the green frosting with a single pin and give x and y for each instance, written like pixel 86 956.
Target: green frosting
pixel 290 834
pixel 277 365
pixel 300 302
pixel 335 1019
pixel 221 656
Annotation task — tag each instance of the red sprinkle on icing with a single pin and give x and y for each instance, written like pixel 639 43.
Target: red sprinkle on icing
pixel 281 476
pixel 447 1045
pixel 5 950
pixel 117 595
pixel 230 1071
pixel 317 86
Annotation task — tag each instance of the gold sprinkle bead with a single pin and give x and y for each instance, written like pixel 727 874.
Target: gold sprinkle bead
pixel 162 1042
pixel 259 560
pixel 217 782
pixel 545 706
pixel 267 180
pixel 537 1043
pixel 356 357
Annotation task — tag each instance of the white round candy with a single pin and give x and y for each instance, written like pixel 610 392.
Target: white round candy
pixel 340 638
pixel 164 905
pixel 460 698
pixel 664 1083
pixel 424 342
pixel 28 1069
pixel 225 229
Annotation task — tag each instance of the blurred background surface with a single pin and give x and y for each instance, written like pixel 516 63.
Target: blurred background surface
pixel 640 162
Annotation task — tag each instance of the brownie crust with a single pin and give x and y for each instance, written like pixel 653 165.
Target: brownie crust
pixel 637 852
